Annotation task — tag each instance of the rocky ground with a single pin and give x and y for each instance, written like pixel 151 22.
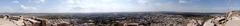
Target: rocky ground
pixel 117 20
pixel 6 22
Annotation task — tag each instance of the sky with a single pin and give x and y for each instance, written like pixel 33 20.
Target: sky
pixel 96 6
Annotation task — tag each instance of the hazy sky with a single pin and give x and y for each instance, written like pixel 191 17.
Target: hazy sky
pixel 86 6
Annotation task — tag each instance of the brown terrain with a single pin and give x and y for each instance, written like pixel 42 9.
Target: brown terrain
pixel 137 19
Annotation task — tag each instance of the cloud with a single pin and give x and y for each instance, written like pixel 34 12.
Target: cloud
pixel 107 0
pixel 7 9
pixel 28 9
pixel 182 1
pixel 42 0
pixel 15 2
pixel 142 1
pixel 36 1
pixel 109 6
pixel 187 1
pixel 71 1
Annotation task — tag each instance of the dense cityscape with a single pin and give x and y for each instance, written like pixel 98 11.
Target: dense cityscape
pixel 112 19
pixel 119 13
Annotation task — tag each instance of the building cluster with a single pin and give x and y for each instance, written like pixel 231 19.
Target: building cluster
pixel 133 20
pixel 104 20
